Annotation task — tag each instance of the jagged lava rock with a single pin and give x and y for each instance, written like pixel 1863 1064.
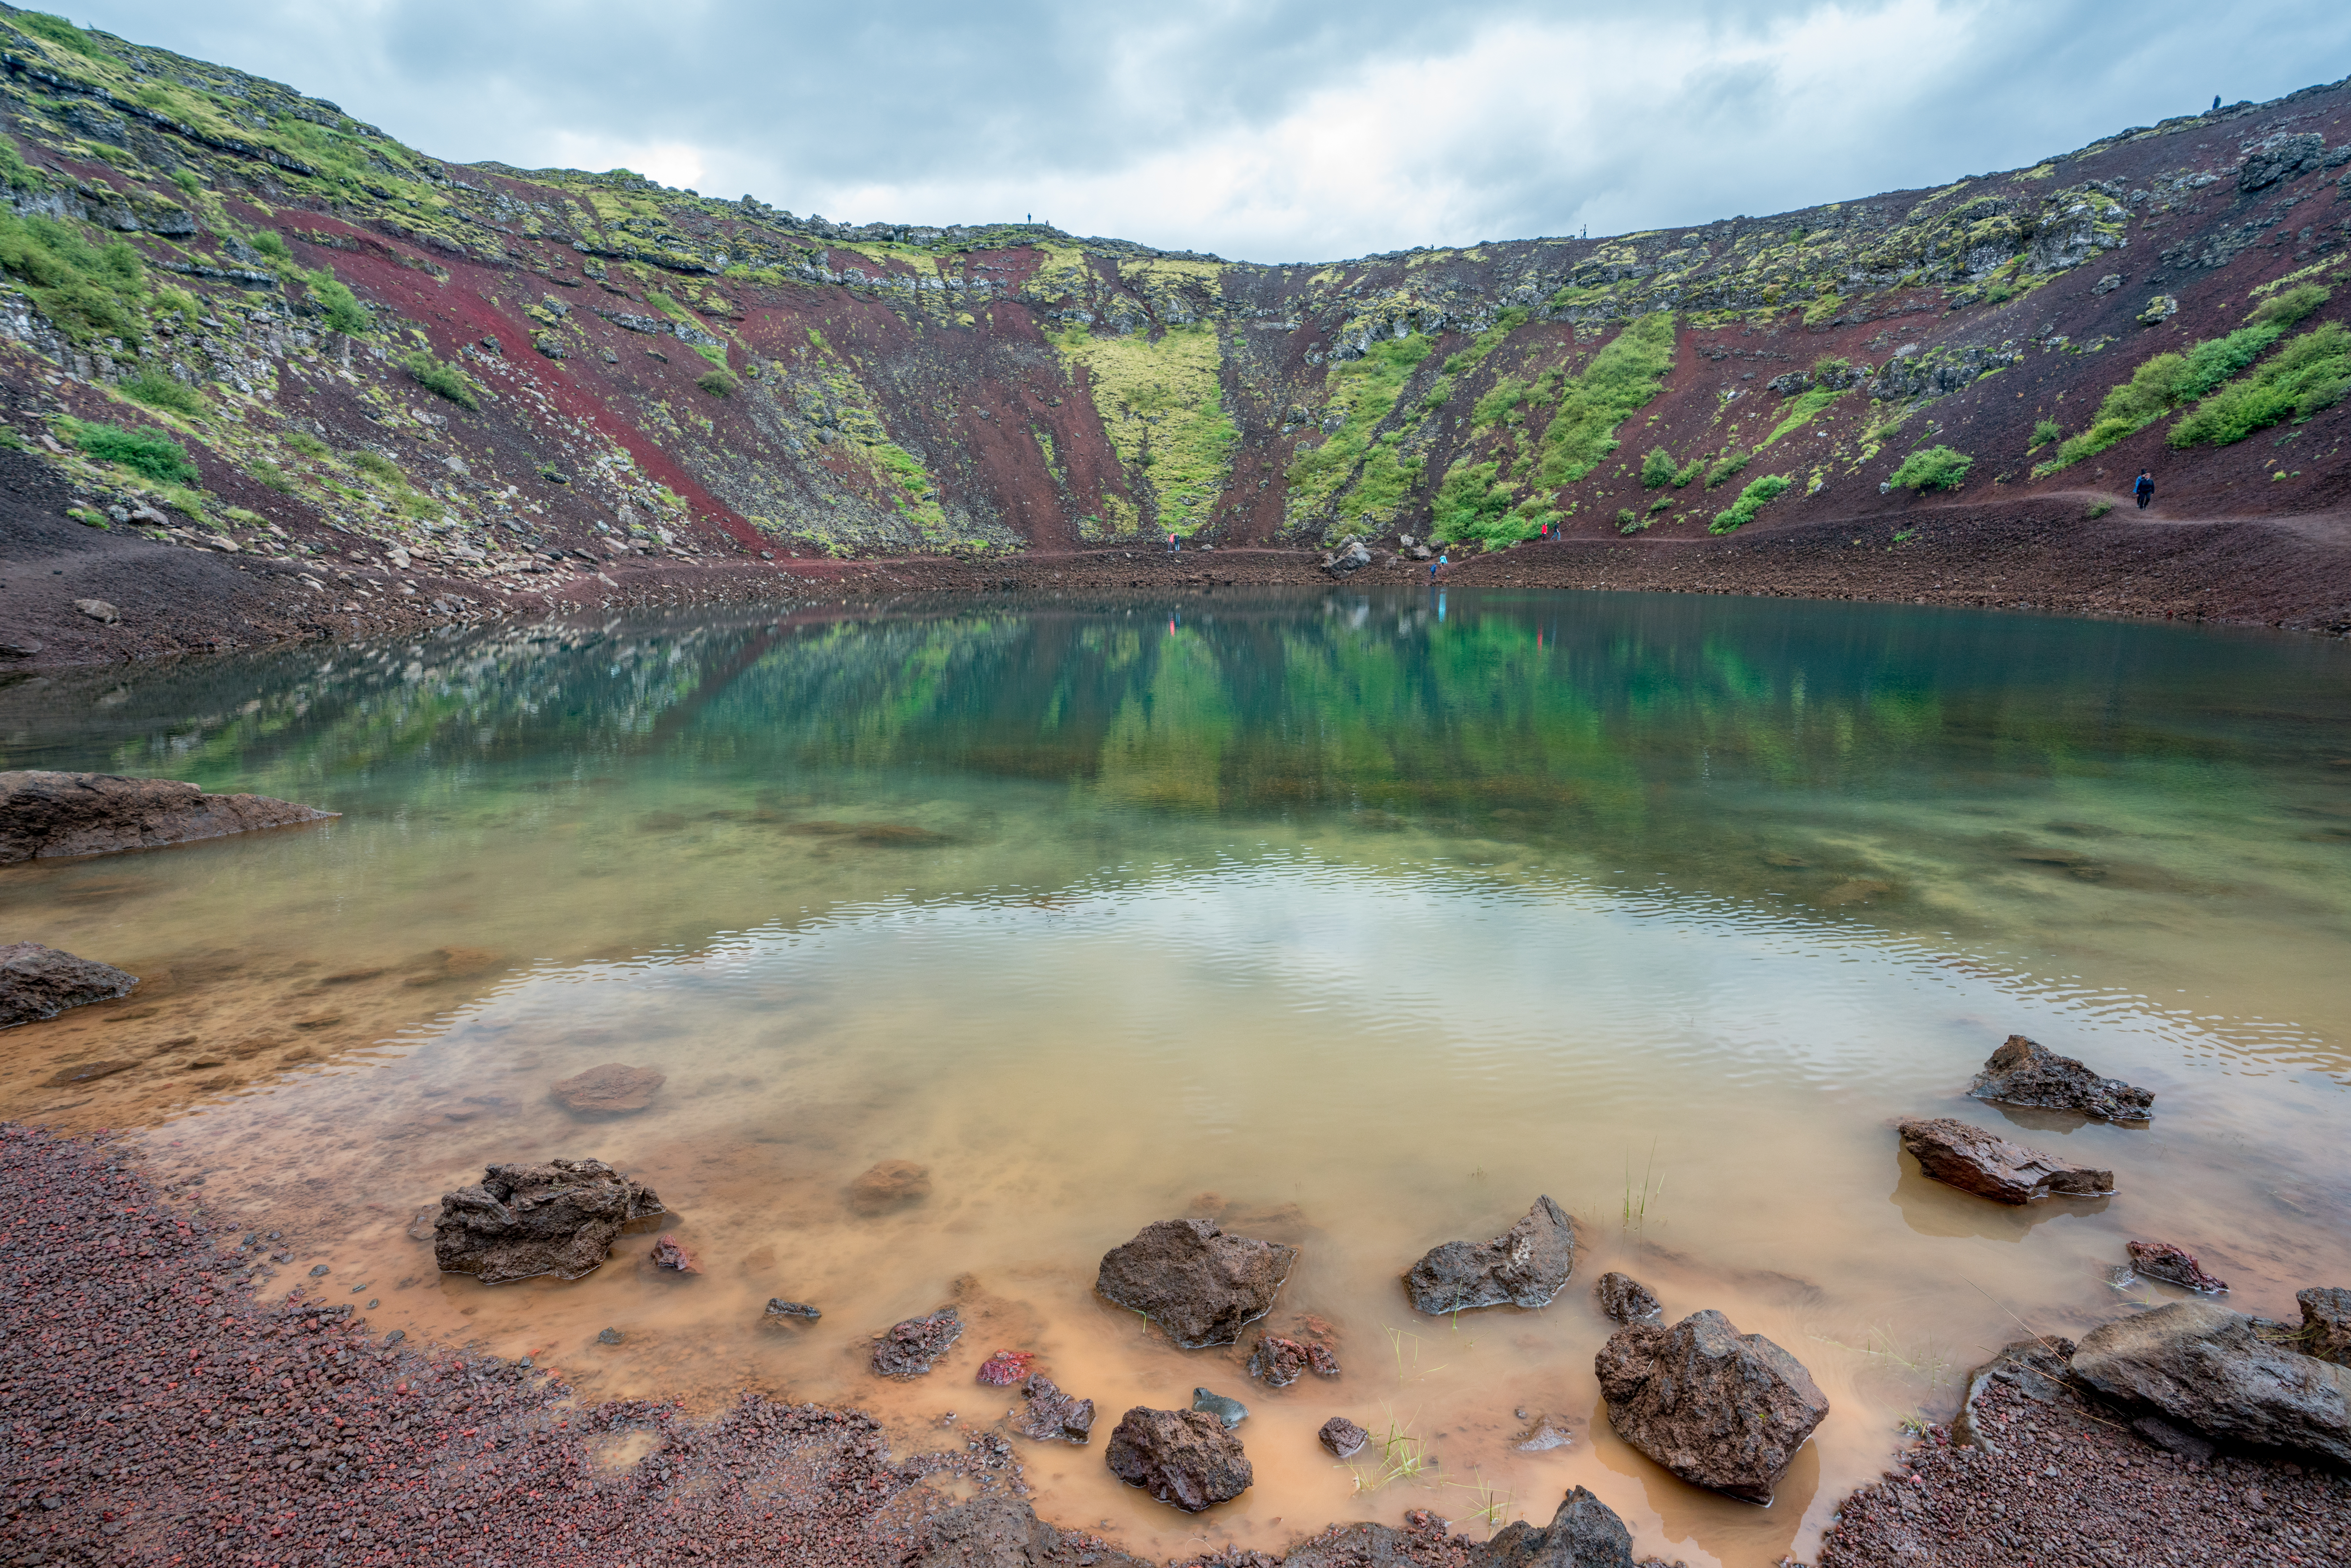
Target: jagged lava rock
pixel 1343 1436
pixel 892 1183
pixel 43 814
pixel 1627 1299
pixel 38 982
pixel 1991 1166
pixel 912 1347
pixel 1719 1408
pixel 2025 1073
pixel 614 1089
pixel 521 1221
pixel 2209 1368
pixel 1191 1278
pixel 669 1255
pixel 1183 1457
pixel 1050 1415
pixel 2162 1260
pixel 1006 1367
pixel 2325 1323
pixel 1584 1533
pixel 1525 1266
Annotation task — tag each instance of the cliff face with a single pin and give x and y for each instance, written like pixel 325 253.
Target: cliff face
pixel 472 363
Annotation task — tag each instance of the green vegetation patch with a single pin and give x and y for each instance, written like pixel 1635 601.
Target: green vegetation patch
pixel 717 383
pixel 144 452
pixel 338 304
pixel 57 30
pixel 1475 503
pixel 1163 410
pixel 1365 391
pixel 156 390
pixel 1932 468
pixel 1807 408
pixel 2310 373
pixel 438 375
pixel 87 291
pixel 1752 500
pixel 1621 377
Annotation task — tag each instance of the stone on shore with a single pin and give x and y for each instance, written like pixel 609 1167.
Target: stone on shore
pixel 892 1183
pixel 1050 1415
pixel 1627 1299
pixel 2025 1073
pixel 2325 1323
pixel 38 982
pixel 1991 1166
pixel 522 1221
pixel 2162 1260
pixel 2223 1374
pixel 1006 1367
pixel 43 814
pixel 614 1089
pixel 1719 1408
pixel 1524 1267
pixel 1343 1436
pixel 1191 1278
pixel 1584 1533
pixel 1183 1457
pixel 912 1347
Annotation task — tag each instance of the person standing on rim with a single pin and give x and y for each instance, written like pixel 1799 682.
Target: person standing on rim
pixel 1171 546
pixel 2143 487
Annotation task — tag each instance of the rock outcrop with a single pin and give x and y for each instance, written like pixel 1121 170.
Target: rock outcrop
pixel 2025 1073
pixel 1191 1278
pixel 1523 1266
pixel 38 982
pixel 614 1089
pixel 46 814
pixel 1584 1533
pixel 2162 1260
pixel 1991 1166
pixel 1185 1458
pixel 2325 1323
pixel 2223 1374
pixel 523 1221
pixel 1627 1299
pixel 1719 1408
pixel 1050 1415
pixel 911 1347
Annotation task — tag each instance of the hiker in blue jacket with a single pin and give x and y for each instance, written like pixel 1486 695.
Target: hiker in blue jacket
pixel 2144 488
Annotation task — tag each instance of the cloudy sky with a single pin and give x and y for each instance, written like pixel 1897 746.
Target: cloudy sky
pixel 1266 130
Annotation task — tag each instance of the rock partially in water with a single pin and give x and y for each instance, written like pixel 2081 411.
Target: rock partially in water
pixel 1525 1266
pixel 38 982
pixel 2325 1323
pixel 1231 1412
pixel 1191 1278
pixel 43 814
pixel 1050 1415
pixel 1584 1533
pixel 2162 1260
pixel 778 1308
pixel 421 1228
pixel 993 1531
pixel 2025 1073
pixel 2223 1374
pixel 1280 1362
pixel 1343 1436
pixel 1006 1367
pixel 911 1348
pixel 1719 1408
pixel 892 1183
pixel 1183 1457
pixel 1542 1436
pixel 1990 1166
pixel 610 1336
pixel 670 1256
pixel 1627 1299
pixel 522 1221
pixel 614 1089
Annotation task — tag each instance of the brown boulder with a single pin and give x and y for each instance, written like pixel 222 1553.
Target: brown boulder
pixel 521 1221
pixel 610 1089
pixel 2223 1374
pixel 2162 1260
pixel 912 1347
pixel 890 1185
pixel 38 982
pixel 1524 1267
pixel 1051 1416
pixel 1584 1533
pixel 1719 1408
pixel 45 814
pixel 1191 1278
pixel 1183 1457
pixel 2026 1072
pixel 1991 1166
pixel 2325 1323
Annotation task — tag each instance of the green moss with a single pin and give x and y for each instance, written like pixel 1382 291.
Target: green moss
pixel 2310 373
pixel 1474 504
pixel 147 453
pixel 717 383
pixel 1724 467
pixel 156 390
pixel 1752 500
pixel 439 376
pixel 2162 384
pixel 1933 468
pixel 87 291
pixel 1621 377
pixel 1806 408
pixel 1365 391
pixel 336 303
pixel 1162 407
pixel 59 31
pixel 307 444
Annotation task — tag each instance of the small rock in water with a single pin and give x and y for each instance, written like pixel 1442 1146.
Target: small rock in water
pixel 1542 1438
pixel 1231 1412
pixel 614 1089
pixel 1194 1281
pixel 779 1308
pixel 1584 1533
pixel 892 1183
pixel 1184 1458
pixel 419 1229
pixel 521 1221
pixel 2025 1073
pixel 911 1348
pixel 1321 1362
pixel 320 1272
pixel 1343 1436
pixel 1525 1266
pixel 1627 1299
pixel 395 1336
pixel 610 1336
pixel 1990 1166
pixel 38 982
pixel 670 1255
pixel 373 1304
pixel 2162 1260
pixel 1717 1409
pixel 1006 1367
pixel 1280 1362
pixel 1051 1415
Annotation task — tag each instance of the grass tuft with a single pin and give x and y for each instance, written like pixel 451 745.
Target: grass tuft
pixel 1933 468
pixel 439 376
pixel 143 452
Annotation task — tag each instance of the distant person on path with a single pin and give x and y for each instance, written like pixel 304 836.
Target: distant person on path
pixel 2144 488
pixel 2215 103
pixel 1433 566
pixel 1174 546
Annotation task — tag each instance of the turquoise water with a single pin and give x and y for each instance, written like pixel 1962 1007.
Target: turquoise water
pixel 1396 909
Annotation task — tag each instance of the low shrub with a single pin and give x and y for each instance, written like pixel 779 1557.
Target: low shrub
pixel 157 390
pixel 2100 510
pixel 272 244
pixel 2288 310
pixel 336 303
pixel 717 383
pixel 1724 467
pixel 87 291
pixel 437 375
pixel 307 444
pixel 2310 373
pixel 368 461
pixel 2043 431
pixel 144 452
pixel 1658 469
pixel 268 474
pixel 1752 500
pixel 1933 468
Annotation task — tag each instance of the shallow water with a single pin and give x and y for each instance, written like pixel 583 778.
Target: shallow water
pixel 1359 921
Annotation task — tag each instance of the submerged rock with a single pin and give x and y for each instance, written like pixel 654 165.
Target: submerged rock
pixel 38 982
pixel 43 814
pixel 2025 1073
pixel 779 1308
pixel 1051 1416
pixel 1584 1533
pixel 521 1221
pixel 2162 1260
pixel 1006 1367
pixel 1191 1278
pixel 1719 1408
pixel 1525 1266
pixel 1542 1436
pixel 1231 1412
pixel 2325 1323
pixel 670 1255
pixel 1990 1166
pixel 892 1183
pixel 1185 1458
pixel 1343 1436
pixel 2223 1374
pixel 911 1348
pixel 1627 1299
pixel 614 1089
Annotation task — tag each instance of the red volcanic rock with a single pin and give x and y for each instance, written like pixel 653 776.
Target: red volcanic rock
pixel 1006 1367
pixel 614 1089
pixel 2026 1072
pixel 669 1254
pixel 1343 1436
pixel 1976 1161
pixel 46 814
pixel 2162 1260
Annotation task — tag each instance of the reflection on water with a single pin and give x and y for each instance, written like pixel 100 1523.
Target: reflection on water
pixel 1357 928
